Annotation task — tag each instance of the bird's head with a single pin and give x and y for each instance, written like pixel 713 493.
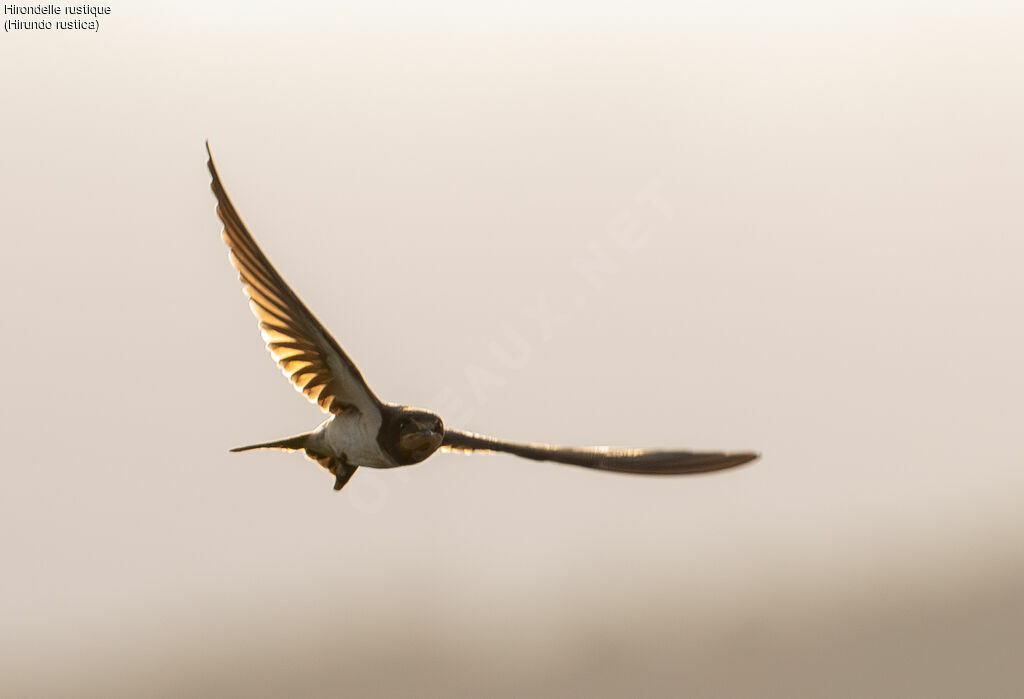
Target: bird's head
pixel 412 435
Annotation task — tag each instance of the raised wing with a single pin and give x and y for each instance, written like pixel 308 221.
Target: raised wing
pixel 649 461
pixel 307 354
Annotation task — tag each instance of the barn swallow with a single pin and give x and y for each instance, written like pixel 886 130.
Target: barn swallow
pixel 362 430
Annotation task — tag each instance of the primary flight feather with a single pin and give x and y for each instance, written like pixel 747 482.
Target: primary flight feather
pixel 362 430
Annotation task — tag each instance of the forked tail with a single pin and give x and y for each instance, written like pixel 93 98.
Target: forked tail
pixel 296 443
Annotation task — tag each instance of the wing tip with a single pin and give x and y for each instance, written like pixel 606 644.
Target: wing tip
pixel 214 175
pixel 745 457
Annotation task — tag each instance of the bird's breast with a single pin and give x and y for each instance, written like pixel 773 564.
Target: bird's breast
pixel 355 435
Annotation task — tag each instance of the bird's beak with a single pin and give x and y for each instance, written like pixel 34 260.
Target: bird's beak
pixel 422 440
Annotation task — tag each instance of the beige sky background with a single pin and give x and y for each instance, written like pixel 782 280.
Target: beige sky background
pixel 793 227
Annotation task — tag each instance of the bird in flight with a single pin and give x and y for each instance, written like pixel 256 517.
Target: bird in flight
pixel 362 430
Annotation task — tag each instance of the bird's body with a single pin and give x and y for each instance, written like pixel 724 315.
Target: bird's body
pixel 362 430
pixel 355 435
pixel 377 439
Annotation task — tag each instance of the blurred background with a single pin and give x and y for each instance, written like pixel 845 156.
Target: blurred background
pixel 787 226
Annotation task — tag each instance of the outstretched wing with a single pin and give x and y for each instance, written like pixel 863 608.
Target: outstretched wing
pixel 651 461
pixel 307 354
